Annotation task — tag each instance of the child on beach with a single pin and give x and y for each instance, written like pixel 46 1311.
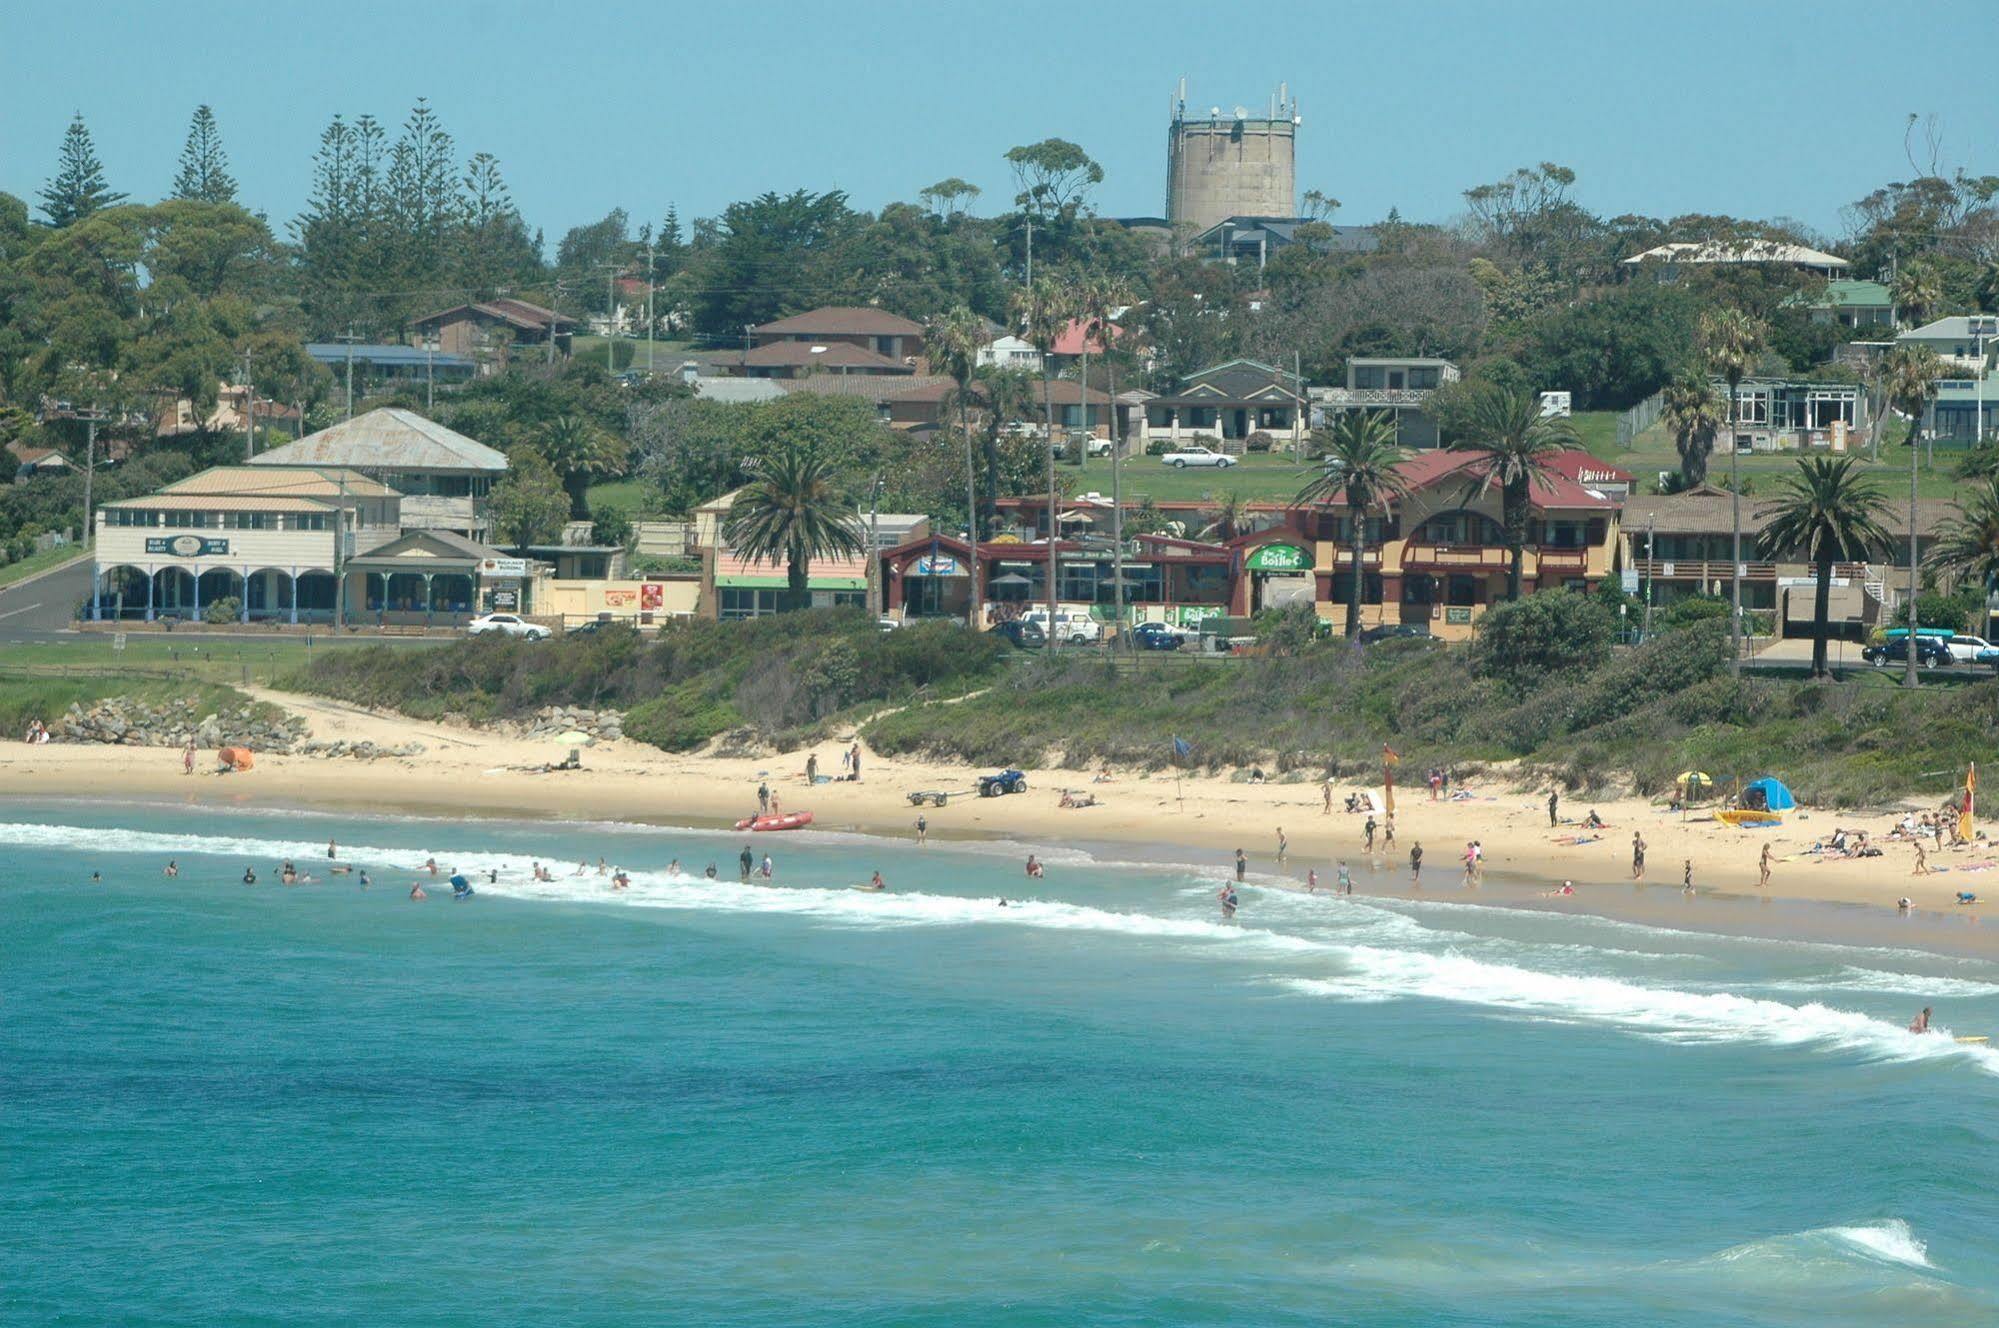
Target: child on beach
pixel 1687 877
pixel 1763 866
pixel 1416 863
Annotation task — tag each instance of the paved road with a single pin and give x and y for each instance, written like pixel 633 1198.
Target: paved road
pixel 38 609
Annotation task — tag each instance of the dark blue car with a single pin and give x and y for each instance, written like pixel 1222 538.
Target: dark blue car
pixel 1156 636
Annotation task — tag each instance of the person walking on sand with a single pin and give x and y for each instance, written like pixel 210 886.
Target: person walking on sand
pixel 1241 864
pixel 1922 860
pixel 1388 832
pixel 1554 800
pixel 922 828
pixel 1283 846
pixel 187 757
pixel 1477 862
pixel 1326 793
pixel 1637 856
pixel 1416 864
pixel 1763 866
pixel 1687 877
pixel 1369 830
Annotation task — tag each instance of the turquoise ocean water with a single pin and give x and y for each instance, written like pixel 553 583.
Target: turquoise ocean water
pixel 798 1104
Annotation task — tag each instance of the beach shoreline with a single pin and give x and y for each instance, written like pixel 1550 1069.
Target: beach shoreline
pixel 1196 821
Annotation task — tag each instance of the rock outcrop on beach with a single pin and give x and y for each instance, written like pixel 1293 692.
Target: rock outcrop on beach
pixel 127 722
pixel 549 722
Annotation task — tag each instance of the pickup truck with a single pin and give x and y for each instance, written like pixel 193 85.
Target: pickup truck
pixel 1197 456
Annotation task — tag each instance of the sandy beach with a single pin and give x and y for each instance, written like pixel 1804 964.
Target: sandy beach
pixel 1197 820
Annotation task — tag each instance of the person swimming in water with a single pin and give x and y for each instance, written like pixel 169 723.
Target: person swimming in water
pixel 875 882
pixel 365 882
pixel 416 891
pixel 1921 1023
pixel 173 868
pixel 1035 870
pixel 460 888
pixel 249 876
pixel 97 878
pixel 430 865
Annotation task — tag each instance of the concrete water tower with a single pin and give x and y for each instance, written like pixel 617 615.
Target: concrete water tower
pixel 1231 163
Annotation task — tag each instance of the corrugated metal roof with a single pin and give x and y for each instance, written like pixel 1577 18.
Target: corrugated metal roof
pixel 335 352
pixel 388 439
pixel 296 482
pixel 221 502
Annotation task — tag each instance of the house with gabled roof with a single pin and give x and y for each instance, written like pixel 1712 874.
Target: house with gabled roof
pixel 1225 405
pixel 443 475
pixel 487 331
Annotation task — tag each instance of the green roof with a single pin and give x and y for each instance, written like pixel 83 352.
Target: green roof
pixel 1846 295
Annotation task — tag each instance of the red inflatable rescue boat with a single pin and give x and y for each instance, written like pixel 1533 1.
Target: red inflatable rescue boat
pixel 784 821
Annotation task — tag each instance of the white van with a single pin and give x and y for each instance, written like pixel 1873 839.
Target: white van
pixel 1072 626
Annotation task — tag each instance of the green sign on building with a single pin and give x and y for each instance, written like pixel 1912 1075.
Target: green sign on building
pixel 1280 558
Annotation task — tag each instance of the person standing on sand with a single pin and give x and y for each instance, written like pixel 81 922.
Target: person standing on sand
pixel 1478 862
pixel 1637 856
pixel 1687 877
pixel 1471 866
pixel 1283 846
pixel 1763 866
pixel 1241 864
pixel 1388 832
pixel 763 799
pixel 812 768
pixel 1554 800
pixel 1326 792
pixel 1416 863
pixel 856 754
pixel 1368 830
pixel 922 828
pixel 187 757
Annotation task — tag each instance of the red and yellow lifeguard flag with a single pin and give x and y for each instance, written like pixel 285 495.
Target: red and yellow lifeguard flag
pixel 1388 762
pixel 1970 791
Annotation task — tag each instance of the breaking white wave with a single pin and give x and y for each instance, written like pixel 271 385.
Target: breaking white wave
pixel 1924 985
pixel 1665 1013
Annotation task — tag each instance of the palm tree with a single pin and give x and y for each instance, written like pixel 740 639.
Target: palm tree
pixel 1909 377
pixel 1730 341
pixel 1043 310
pixel 952 345
pixel 1826 513
pixel 1693 415
pixel 1361 458
pixel 1967 545
pixel 791 513
pixel 1230 509
pixel 1918 289
pixel 1101 299
pixel 1513 446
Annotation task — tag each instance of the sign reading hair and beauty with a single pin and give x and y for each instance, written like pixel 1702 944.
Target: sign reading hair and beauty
pixel 186 546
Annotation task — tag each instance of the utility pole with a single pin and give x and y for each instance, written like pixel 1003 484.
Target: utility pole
pixel 551 322
pixel 350 339
pixel 874 547
pixel 1909 664
pixel 1030 279
pixel 429 373
pixel 249 411
pixel 90 419
pixel 649 252
pixel 610 316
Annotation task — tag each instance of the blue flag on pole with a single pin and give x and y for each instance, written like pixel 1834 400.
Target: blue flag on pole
pixel 1182 749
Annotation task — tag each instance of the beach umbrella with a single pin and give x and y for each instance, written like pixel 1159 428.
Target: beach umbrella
pixel 1694 781
pixel 575 738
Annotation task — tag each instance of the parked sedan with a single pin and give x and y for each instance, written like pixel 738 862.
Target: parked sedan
pixel 1157 636
pixel 505 624
pixel 1931 653
pixel 1026 635
pixel 1197 456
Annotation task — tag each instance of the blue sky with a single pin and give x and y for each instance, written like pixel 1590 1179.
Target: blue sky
pixel 1759 108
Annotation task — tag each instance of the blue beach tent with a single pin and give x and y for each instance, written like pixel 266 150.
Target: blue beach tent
pixel 1768 794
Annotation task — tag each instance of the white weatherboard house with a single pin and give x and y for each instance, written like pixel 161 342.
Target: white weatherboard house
pixel 442 475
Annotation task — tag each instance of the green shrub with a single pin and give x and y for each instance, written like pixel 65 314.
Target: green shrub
pixel 228 609
pixel 1536 641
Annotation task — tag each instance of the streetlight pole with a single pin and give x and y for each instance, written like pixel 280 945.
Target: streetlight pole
pixel 874 547
pixel 90 419
pixel 249 411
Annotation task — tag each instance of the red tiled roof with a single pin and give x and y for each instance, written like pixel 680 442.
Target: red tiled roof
pixel 1070 340
pixel 835 319
pixel 517 312
pixel 826 354
pixel 1428 469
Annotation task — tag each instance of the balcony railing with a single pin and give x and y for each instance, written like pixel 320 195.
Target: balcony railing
pixel 1344 397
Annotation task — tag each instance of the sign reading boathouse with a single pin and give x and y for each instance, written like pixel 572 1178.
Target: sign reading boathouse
pixel 1280 558
pixel 186 546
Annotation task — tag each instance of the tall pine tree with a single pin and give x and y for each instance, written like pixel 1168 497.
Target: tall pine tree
pixel 204 167
pixel 78 188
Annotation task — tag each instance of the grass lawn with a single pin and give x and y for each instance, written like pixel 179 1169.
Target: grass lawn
pixel 631 495
pixel 157 655
pixel 39 562
pixel 1254 477
pixel 666 355
pixel 1652 451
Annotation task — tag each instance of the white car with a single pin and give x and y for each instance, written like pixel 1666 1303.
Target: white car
pixel 1197 456
pixel 1966 649
pixel 505 624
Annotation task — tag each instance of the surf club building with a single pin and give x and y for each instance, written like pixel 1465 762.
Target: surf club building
pixel 272 544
